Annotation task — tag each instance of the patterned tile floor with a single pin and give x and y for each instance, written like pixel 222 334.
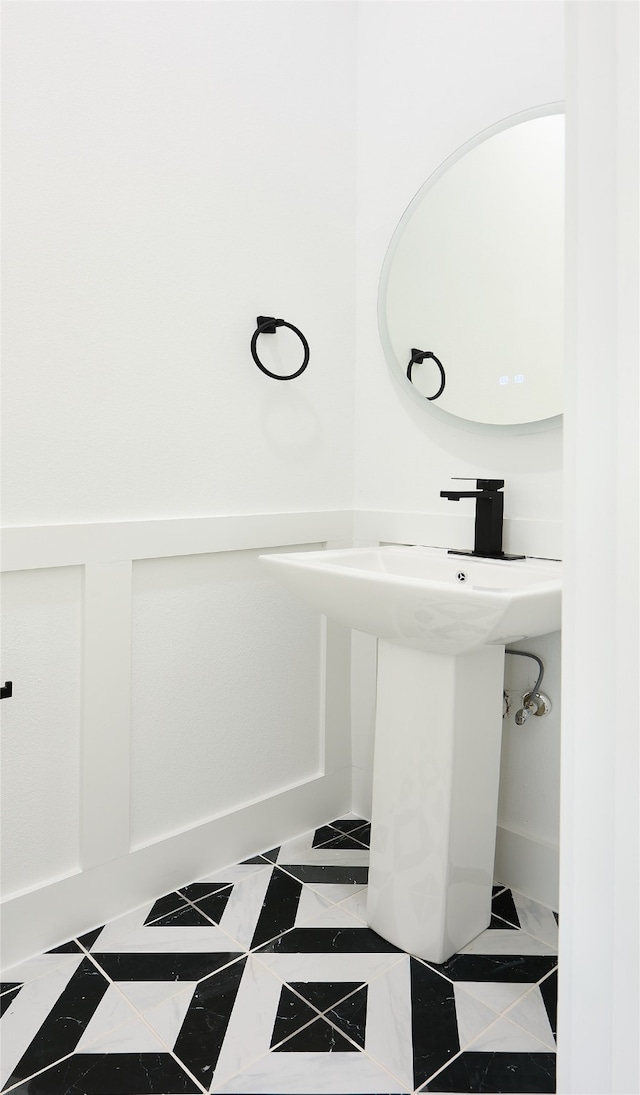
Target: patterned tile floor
pixel 264 978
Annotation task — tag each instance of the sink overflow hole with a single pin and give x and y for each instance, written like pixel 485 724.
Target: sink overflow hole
pixel 461 576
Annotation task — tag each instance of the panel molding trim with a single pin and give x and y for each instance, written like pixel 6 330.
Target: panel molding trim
pixel 63 908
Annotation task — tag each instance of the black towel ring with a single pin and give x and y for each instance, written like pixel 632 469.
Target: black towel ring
pixel 417 356
pixel 267 326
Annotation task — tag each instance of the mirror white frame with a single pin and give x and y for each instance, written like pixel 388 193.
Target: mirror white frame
pixel 399 369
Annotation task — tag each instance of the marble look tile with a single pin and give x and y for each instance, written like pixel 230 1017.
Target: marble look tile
pixel 170 998
pixel 278 910
pixel 503 1036
pixel 498 996
pixel 301 851
pixel 531 1014
pixel 238 872
pixel 163 966
pixel 106 1073
pixel 131 1037
pixel 511 1073
pixel 28 1010
pixel 472 1016
pixel 355 967
pixel 335 916
pixel 292 1013
pixel 58 1033
pixel 113 1011
pixel 507 941
pixel 323 874
pixel 390 1005
pixel 130 933
pixel 512 968
pixel 39 966
pixel 359 939
pixel 350 1015
pixel 357 905
pixel 311 1074
pixel 536 919
pixel 164 905
pixel 319 1036
pixel 310 905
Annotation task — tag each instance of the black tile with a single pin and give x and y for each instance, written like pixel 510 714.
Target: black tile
pixel 329 940
pixel 66 948
pixel 165 905
pixel 89 938
pixel 7 998
pixel 107 1073
pixel 502 925
pixel 434 1025
pixel 197 890
pixel 279 908
pixel 318 1037
pixel 349 824
pixel 151 966
pixel 342 875
pixel 202 1033
pixel 271 856
pixel 292 1014
pixel 345 842
pixel 186 917
pixel 503 906
pixel 214 904
pixel 66 1022
pixel 350 1016
pixel 517 968
pixel 513 1073
pixel 549 993
pixel 325 994
pixel 326 832
pixel 10 986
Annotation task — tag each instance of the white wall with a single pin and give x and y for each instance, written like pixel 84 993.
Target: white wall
pixel 431 76
pixel 171 172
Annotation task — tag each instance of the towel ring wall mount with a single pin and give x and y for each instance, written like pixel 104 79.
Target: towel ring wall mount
pixel 267 325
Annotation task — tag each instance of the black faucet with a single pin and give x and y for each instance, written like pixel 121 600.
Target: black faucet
pixel 489 515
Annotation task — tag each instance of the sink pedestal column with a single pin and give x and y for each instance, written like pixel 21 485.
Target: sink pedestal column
pixel 435 797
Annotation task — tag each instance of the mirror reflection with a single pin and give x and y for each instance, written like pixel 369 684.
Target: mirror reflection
pixel 472 285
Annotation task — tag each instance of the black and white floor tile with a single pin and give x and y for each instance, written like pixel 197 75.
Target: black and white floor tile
pixel 265 979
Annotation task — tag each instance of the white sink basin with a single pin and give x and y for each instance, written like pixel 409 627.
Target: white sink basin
pixel 415 596
pixel 442 623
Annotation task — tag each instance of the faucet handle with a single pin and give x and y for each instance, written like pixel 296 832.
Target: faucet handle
pixel 482 484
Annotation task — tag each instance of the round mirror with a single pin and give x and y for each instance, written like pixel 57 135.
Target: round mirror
pixel 471 297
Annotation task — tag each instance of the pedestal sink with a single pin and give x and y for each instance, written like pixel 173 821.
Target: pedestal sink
pixel 442 623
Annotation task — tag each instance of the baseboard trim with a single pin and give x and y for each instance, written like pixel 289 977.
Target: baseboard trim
pixel 62 909
pixel 528 865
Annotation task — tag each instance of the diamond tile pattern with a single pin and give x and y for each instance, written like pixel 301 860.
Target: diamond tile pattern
pixel 265 978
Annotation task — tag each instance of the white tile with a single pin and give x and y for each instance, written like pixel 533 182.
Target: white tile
pixel 112 1011
pixel 336 891
pixel 333 916
pixel 311 905
pixel 505 1037
pixel 26 1014
pixel 357 904
pixel 329 967
pixel 244 906
pixel 509 941
pixel 388 1031
pixel 129 933
pixel 167 1015
pixel 311 1074
pixel 536 919
pixel 301 851
pixel 472 1016
pixel 531 1014
pixel 40 966
pixel 250 1028
pixel 236 873
pixel 497 995
pixel 147 995
pixel 132 1037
